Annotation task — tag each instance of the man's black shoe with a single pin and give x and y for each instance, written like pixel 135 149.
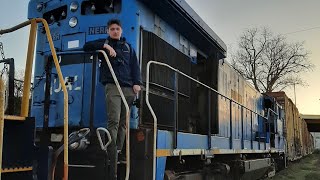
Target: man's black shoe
pixel 122 158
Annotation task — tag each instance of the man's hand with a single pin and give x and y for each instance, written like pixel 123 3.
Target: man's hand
pixel 136 89
pixel 112 52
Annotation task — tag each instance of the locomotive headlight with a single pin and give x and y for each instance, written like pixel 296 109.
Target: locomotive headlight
pixel 74 6
pixel 73 22
pixel 39 7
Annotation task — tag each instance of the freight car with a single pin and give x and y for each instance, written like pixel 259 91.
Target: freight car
pixel 307 139
pixel 196 118
pixel 299 139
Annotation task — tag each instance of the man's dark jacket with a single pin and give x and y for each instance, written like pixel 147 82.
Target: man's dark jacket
pixel 125 64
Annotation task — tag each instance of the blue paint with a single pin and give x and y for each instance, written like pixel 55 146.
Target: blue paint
pixel 79 108
pixel 135 15
pixel 164 140
pixel 197 141
pixel 161 165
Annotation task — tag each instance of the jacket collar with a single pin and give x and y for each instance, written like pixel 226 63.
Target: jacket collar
pixel 122 39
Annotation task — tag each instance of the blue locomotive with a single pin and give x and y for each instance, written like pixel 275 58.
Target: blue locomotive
pixel 195 118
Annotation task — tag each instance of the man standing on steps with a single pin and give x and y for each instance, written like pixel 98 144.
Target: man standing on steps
pixel 126 67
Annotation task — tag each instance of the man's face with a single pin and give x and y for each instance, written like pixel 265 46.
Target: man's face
pixel 115 31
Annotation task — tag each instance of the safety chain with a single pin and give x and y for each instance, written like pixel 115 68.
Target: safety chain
pixel 5 66
pixel 6 69
pixel 2 51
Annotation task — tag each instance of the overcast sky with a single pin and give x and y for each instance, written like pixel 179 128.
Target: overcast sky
pixel 228 18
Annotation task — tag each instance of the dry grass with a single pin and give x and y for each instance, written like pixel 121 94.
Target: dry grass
pixel 307 168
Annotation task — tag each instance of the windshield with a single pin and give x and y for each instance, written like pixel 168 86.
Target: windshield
pixel 100 7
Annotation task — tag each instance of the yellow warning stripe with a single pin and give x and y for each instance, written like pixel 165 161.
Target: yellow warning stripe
pixel 163 152
pixel 188 152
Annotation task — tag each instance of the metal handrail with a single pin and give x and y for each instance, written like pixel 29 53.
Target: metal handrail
pixel 268 116
pixel 27 78
pixel 122 98
pixel 155 120
pixel 127 112
pixel 191 78
pixel 103 146
pixel 208 87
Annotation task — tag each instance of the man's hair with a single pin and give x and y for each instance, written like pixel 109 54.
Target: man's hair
pixel 113 21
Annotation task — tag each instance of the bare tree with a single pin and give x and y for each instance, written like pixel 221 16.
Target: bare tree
pixel 18 83
pixel 269 61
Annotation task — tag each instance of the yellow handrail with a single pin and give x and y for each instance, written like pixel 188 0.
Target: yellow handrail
pixel 65 102
pixel 1 121
pixel 28 71
pixel 27 78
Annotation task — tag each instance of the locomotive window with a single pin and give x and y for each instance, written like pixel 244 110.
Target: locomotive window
pixel 56 15
pixel 100 7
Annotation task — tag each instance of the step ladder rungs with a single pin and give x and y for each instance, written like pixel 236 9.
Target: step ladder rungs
pixel 14 118
pixel 16 169
pixel 81 166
